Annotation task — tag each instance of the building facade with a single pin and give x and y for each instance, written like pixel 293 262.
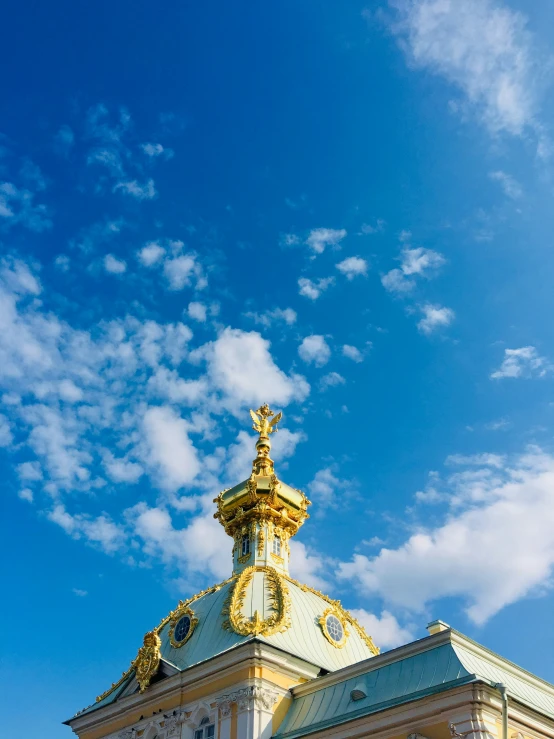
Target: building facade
pixel 262 655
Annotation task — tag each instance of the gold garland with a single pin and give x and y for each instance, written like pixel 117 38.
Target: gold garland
pixel 280 602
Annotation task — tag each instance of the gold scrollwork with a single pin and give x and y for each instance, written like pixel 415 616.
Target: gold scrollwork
pixel 244 558
pixel 278 621
pixel 323 622
pixel 277 558
pixel 178 614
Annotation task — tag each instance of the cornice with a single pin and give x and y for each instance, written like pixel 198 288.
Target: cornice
pixel 251 653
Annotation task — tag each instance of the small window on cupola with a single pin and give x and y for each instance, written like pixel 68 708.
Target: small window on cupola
pixel 245 545
pixel 277 546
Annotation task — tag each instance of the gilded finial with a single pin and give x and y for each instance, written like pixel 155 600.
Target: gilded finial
pixel 263 464
pixel 262 424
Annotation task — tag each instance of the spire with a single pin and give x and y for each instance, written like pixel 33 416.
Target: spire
pixel 263 464
pixel 262 513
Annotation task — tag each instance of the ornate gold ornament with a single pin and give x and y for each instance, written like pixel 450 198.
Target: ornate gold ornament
pixel 262 424
pixel 147 661
pixel 277 558
pixel 261 542
pixel 178 614
pixel 280 604
pixel 244 558
pixel 333 613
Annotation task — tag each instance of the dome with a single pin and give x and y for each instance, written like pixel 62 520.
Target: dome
pixel 260 601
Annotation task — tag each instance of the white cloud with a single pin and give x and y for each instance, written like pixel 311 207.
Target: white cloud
pixel 169 447
pixel 352 267
pixel 434 318
pixel 523 362
pixel 352 352
pixel 17 206
pixel 197 311
pixel 202 546
pixel 510 527
pixel 6 436
pixel 18 277
pixel 29 471
pixel 156 150
pixel 385 630
pixel 483 48
pixel 100 530
pixel 314 350
pixel 312 289
pixel 319 238
pixel 326 489
pixel 113 265
pixel 241 366
pixel 509 184
pixel 308 567
pixel 144 191
pixel 416 262
pixel 180 272
pixel 62 262
pixel 477 460
pixel 332 379
pixel 151 254
pixel 286 315
pixel 79 593
pixel 26 494
pixel 367 229
pixel 289 240
pixel 121 469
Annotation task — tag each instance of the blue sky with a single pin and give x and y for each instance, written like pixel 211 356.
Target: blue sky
pixel 344 211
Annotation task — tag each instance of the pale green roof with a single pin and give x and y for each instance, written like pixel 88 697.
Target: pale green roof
pixel 303 638
pixel 431 665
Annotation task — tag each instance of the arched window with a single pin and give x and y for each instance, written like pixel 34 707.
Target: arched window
pixel 206 730
pixel 277 546
pixel 245 545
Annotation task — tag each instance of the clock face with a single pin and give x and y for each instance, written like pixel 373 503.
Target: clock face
pixel 182 628
pixel 334 628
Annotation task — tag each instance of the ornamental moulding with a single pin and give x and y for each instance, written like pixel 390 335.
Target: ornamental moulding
pixel 253 696
pixel 280 603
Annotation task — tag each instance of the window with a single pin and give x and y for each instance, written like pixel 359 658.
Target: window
pixel 182 628
pixel 206 730
pixel 277 546
pixel 245 545
pixel 334 627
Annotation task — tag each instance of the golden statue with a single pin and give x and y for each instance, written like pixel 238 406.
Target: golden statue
pixel 262 424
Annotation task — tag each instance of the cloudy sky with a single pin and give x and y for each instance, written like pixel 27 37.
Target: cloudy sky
pixel 344 210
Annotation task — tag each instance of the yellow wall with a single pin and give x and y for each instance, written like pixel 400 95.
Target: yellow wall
pixel 191 695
